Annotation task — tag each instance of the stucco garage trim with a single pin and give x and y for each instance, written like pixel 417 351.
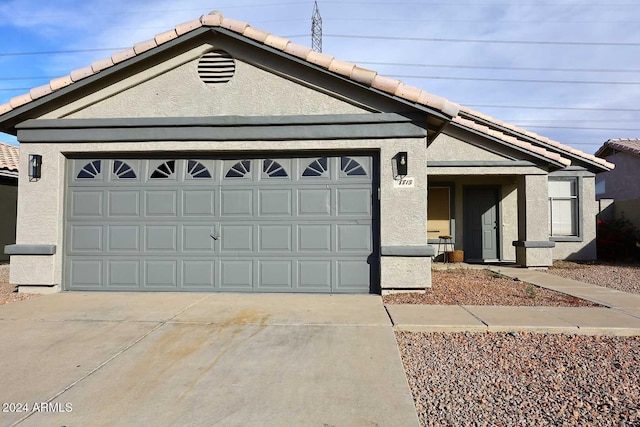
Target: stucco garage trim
pixel 534 244
pixel 30 249
pixel 408 251
pixel 365 126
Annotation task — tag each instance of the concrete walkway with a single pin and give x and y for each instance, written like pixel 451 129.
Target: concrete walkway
pixel 162 359
pixel 620 314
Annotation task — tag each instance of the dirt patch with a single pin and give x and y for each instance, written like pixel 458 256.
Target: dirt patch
pixel 8 292
pixel 483 287
pixel 622 277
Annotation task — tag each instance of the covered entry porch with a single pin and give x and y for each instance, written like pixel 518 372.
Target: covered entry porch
pixel 491 215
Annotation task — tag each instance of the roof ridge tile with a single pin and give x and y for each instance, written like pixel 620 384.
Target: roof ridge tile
pixel 276 42
pixel 255 34
pixel 144 46
pixel 234 25
pixel 188 26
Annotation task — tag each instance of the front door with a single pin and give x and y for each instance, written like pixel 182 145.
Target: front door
pixel 481 223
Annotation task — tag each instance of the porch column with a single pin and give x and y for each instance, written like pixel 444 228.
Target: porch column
pixel 533 248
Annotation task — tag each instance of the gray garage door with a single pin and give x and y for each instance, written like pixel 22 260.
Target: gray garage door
pixel 260 225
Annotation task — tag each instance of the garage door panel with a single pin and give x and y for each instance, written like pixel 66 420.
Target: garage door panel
pixel 354 238
pixel 314 202
pixel 236 274
pixel 353 275
pixel 314 238
pixel 236 238
pixel 354 201
pixel 86 238
pixel 161 238
pixel 160 273
pixel 256 225
pixel 197 238
pixel 275 238
pixel 198 274
pixel 86 274
pixel 86 204
pixel 236 202
pixel 314 274
pixel 275 202
pixel 123 238
pixel 123 273
pixel 123 203
pixel 160 203
pixel 198 203
pixel 275 274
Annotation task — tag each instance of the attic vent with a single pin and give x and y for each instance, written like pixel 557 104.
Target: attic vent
pixel 216 67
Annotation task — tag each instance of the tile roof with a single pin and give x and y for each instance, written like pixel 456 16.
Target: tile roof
pixel 9 157
pixel 629 145
pixel 370 78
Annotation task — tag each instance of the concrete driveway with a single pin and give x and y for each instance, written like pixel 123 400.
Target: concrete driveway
pixel 163 359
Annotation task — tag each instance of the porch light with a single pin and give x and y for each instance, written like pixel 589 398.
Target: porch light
pixel 402 163
pixel 35 166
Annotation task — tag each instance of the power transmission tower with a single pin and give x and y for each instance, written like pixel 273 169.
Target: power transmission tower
pixel 316 29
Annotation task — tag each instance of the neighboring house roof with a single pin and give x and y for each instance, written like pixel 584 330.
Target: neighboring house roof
pixel 9 160
pixel 627 145
pixel 467 118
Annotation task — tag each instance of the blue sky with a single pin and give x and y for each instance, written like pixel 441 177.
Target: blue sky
pixel 496 56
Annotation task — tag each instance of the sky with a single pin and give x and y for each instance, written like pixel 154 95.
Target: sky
pixel 565 69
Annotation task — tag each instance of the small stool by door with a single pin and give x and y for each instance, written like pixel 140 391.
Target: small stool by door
pixel 447 241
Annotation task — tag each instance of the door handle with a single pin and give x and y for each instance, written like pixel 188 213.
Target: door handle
pixel 214 237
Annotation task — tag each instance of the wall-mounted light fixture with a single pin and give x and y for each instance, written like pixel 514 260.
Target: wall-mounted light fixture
pixel 401 163
pixel 35 166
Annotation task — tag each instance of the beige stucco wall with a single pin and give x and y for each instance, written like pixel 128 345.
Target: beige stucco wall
pixel 41 205
pixel 448 148
pixel 173 89
pixel 8 211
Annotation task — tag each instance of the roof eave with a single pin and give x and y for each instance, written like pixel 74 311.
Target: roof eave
pixel 9 173
pixel 549 162
pixel 550 147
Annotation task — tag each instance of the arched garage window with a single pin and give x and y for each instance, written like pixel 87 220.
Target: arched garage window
pixel 90 170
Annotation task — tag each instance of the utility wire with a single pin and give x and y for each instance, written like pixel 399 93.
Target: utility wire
pixel 447 40
pixel 486 67
pixel 539 107
pixel 402 76
pixel 423 4
pixel 428 39
pixel 56 52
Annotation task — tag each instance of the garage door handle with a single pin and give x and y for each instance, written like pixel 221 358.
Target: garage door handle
pixel 214 237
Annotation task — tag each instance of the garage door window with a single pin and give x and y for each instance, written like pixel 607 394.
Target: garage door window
pixel 239 170
pixel 123 171
pixel 165 170
pixel 317 168
pixel 273 169
pixel 350 167
pixel 90 170
pixel 197 170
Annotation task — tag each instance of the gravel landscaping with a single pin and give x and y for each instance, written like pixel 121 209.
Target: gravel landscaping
pixel 522 379
pixel 624 278
pixel 8 292
pixel 464 286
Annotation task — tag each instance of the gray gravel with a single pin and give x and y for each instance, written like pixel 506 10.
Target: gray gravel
pixel 522 379
pixel 624 278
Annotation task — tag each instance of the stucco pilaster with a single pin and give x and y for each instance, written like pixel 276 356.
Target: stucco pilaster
pixel 533 222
